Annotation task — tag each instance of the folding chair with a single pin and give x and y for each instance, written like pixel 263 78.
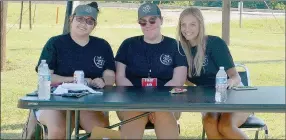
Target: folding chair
pixel 41 130
pixel 252 123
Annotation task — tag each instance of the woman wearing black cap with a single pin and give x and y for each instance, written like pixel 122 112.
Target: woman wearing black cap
pixel 78 50
pixel 151 57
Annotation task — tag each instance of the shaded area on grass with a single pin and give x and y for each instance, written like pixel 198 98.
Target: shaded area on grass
pixel 10 135
pixel 26 49
pixel 12 126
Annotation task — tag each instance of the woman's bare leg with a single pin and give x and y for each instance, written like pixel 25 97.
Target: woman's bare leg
pixel 229 123
pixel 89 119
pixel 210 123
pixel 134 129
pixel 166 125
pixel 55 120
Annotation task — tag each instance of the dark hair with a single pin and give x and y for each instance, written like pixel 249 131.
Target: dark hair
pixel 94 5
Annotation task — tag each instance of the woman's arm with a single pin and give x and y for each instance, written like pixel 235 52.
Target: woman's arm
pixel 179 77
pixel 121 79
pixel 57 79
pixel 234 78
pixel 109 77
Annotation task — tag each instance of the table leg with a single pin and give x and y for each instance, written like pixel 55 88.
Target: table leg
pixel 68 125
pixel 77 124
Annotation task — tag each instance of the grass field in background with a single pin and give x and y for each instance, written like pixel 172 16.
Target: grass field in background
pixel 259 45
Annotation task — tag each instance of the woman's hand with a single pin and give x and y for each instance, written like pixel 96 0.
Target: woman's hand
pixel 230 83
pixel 88 81
pixel 234 78
pixel 97 82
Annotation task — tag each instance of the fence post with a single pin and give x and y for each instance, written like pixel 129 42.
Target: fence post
pixel 240 6
pixel 3 18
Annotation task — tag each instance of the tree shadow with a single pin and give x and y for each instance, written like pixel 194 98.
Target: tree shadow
pixel 25 49
pixel 5 136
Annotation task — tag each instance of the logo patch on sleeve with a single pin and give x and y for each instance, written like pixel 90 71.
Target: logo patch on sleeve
pixel 99 61
pixel 166 59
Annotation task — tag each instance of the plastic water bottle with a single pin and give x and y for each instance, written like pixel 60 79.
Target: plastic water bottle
pixel 221 86
pixel 44 83
pixel 39 69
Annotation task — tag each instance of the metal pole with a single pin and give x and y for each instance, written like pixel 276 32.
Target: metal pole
pixel 226 21
pixel 34 13
pixel 3 18
pixel 30 14
pixel 68 124
pixel 240 13
pixel 77 115
pixel 21 15
pixel 68 14
pixel 57 16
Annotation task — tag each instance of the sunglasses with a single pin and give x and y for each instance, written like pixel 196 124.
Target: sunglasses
pixel 143 22
pixel 88 21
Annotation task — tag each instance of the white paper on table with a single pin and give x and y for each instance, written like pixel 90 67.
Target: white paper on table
pixel 61 89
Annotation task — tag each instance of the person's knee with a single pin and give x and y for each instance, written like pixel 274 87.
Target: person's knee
pixel 161 118
pixel 164 115
pixel 209 120
pixel 104 123
pixel 90 119
pixel 128 115
pixel 225 126
pixel 56 132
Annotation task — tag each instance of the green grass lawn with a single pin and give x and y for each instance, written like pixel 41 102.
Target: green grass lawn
pixel 259 45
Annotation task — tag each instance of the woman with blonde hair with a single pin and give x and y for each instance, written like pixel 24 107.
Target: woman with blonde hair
pixel 205 54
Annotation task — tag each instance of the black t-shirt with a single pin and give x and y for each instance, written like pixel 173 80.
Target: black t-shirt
pixel 65 56
pixel 139 57
pixel 217 54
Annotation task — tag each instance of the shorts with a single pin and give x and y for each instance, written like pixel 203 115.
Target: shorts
pixel 37 114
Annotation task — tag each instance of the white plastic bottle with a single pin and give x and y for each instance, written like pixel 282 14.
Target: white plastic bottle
pixel 44 85
pixel 221 86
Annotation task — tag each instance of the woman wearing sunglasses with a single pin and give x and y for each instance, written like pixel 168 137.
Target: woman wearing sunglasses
pixel 78 50
pixel 150 60
pixel 205 54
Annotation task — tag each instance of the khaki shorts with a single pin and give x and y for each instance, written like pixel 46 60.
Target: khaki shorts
pixel 38 113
